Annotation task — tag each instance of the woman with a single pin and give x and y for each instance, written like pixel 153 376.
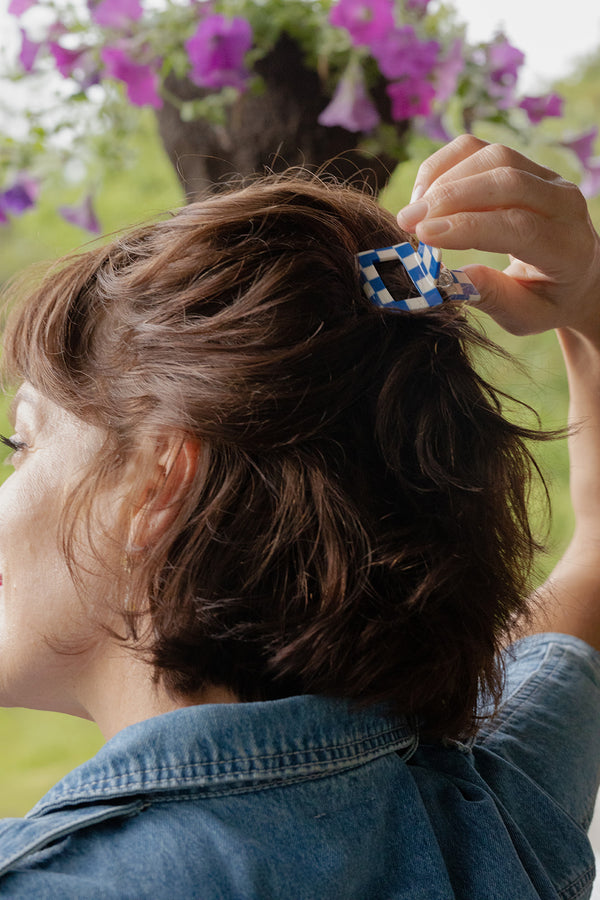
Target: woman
pixel 273 538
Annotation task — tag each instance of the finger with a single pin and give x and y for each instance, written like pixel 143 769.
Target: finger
pixel 494 156
pixel 514 306
pixel 525 234
pixel 467 155
pixel 504 187
pixel 443 160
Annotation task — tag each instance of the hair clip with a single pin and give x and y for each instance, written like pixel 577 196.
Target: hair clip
pixel 425 270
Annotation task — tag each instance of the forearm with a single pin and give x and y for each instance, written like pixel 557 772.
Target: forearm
pixel 569 601
pixel 582 361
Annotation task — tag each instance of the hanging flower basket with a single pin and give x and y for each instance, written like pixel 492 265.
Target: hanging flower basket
pixel 244 86
pixel 274 128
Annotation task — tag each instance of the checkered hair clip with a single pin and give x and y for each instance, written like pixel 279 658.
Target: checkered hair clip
pixel 426 272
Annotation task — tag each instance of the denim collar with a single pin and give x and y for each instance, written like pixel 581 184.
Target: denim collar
pixel 228 748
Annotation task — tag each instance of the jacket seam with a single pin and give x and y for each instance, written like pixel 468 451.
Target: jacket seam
pixel 119 782
pixel 173 794
pixel 526 691
pixel 574 889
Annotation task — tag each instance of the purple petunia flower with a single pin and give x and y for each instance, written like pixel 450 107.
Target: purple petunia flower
pixel 432 126
pixel 18 198
pixel 546 106
pixel 504 62
pixel 590 183
pixel 79 64
pixel 115 13
pixel 217 50
pixel 583 145
pixel 66 60
pixel 504 59
pixel 410 97
pixel 351 107
pixel 448 70
pixel 141 80
pixel 401 54
pixel 28 53
pixel 18 7
pixel 366 21
pixel 82 215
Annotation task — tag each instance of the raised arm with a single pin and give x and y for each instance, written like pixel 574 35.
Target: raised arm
pixel 484 196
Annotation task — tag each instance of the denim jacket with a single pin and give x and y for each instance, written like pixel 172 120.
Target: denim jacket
pixel 309 798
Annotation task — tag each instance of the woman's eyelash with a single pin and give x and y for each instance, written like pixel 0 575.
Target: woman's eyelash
pixel 13 443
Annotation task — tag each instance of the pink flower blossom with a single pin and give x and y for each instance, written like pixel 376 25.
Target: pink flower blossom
pixel 351 107
pixel 590 183
pixel 141 80
pixel 448 70
pixel 28 53
pixel 217 50
pixel 401 54
pixel 366 21
pixel 116 13
pixel 410 97
pixel 82 215
pixel 546 106
pixel 18 7
pixel 79 64
pixel 583 145
pixel 66 60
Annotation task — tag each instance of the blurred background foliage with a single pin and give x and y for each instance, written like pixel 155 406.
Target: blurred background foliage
pixel 37 748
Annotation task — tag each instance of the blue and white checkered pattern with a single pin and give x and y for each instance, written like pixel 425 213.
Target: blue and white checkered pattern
pixel 422 265
pixel 458 286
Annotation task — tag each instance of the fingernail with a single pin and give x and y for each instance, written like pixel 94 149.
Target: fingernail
pixel 412 214
pixel 417 193
pixel 434 227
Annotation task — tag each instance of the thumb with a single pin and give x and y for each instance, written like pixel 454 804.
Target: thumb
pixel 514 306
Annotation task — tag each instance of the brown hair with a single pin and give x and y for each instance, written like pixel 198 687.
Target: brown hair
pixel 357 525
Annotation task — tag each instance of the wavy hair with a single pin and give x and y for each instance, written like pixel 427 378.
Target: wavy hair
pixel 357 525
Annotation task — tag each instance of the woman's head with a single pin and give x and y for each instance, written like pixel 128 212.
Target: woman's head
pixel 315 495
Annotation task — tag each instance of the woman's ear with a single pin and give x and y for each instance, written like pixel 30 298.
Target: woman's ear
pixel 175 468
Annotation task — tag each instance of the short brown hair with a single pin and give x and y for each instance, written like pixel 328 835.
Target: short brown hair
pixel 358 522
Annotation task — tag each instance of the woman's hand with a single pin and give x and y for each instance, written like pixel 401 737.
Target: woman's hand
pixel 484 196
pixel 471 194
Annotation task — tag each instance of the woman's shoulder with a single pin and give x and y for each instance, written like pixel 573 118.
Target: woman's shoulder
pixel 246 800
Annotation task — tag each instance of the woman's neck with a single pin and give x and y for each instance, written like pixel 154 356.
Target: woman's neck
pixel 121 690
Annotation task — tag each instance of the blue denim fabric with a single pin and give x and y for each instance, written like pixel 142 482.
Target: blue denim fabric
pixel 311 799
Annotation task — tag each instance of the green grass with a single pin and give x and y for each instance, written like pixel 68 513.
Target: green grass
pixel 36 750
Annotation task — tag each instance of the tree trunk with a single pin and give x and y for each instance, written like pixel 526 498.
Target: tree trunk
pixel 268 132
